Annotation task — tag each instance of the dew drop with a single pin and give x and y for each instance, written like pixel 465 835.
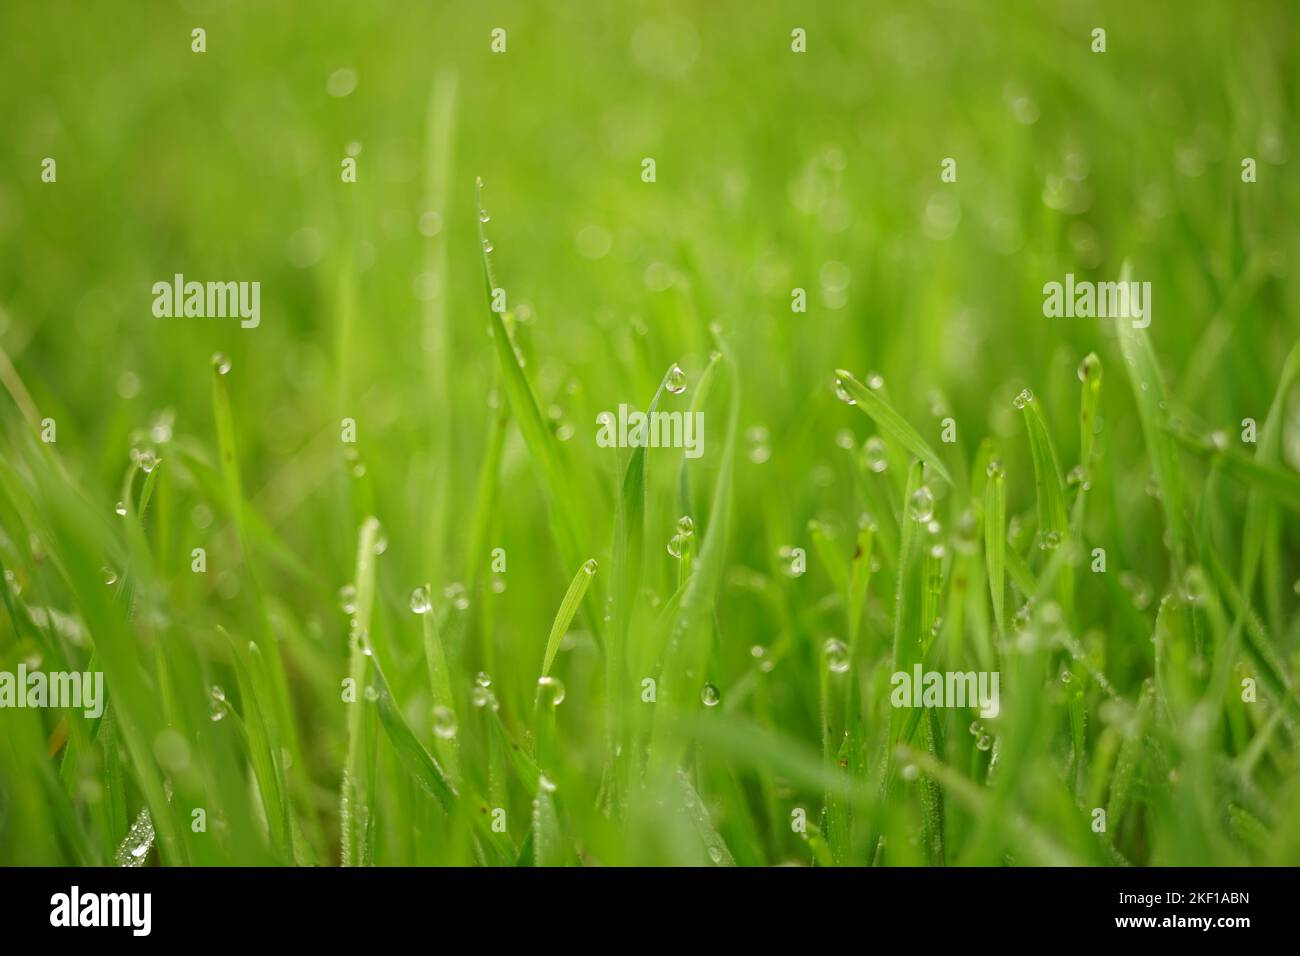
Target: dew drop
pixel 873 453
pixel 216 702
pixel 348 599
pixel 483 216
pixel 455 593
pixel 487 245
pixel 483 697
pixel 842 393
pixel 372 693
pixel 985 742
pixel 221 363
pixel 120 508
pixel 1023 399
pixel 590 566
pixel 837 656
pixel 995 469
pixel 147 461
pixel 921 504
pixel 444 723
pixel 420 603
pixel 551 689
pixel 709 696
pixel 110 576
pixel 675 381
pixel 677 544
pixel 483 679
pixel 685 525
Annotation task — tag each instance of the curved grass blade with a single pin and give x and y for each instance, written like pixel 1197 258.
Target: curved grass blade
pixel 890 422
pixel 568 608
pixel 1152 403
pixel 1090 399
pixel 995 541
pixel 528 416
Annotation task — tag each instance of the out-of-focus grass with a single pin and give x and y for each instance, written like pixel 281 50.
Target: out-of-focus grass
pixel 227 690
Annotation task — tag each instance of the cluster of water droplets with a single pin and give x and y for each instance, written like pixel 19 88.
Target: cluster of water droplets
pixel 481 694
pixel 681 541
pixel 217 703
pixel 135 847
pixel 983 739
pixel 483 216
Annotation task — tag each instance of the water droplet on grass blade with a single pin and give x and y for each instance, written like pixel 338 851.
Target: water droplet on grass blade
pixel 120 508
pixel 444 723
pixel 837 656
pixel 216 703
pixel 138 842
pixel 110 576
pixel 921 505
pixel 420 603
pixel 675 381
pixel 483 679
pixel 842 393
pixel 221 363
pixel 709 696
pixel 590 566
pixel 455 593
pixel 551 690
pixel 483 697
pixel 1023 399
pixel 348 599
pixel 873 454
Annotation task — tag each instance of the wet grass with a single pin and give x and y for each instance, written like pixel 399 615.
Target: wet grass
pixel 473 636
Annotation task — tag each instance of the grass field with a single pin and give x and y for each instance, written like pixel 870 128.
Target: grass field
pixel 366 589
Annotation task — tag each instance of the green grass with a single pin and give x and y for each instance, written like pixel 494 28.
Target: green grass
pixel 475 637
